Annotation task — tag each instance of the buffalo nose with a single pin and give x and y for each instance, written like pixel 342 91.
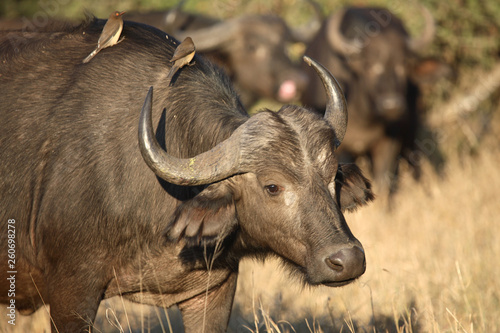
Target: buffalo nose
pixel 287 91
pixel 348 263
pixel 391 107
pixel 391 102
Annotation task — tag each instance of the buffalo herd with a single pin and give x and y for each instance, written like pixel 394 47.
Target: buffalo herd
pixel 116 180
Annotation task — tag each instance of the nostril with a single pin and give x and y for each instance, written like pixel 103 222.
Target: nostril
pixel 348 263
pixel 335 262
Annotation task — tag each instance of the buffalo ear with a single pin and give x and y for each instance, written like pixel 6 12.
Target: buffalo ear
pixel 429 70
pixel 210 216
pixel 352 189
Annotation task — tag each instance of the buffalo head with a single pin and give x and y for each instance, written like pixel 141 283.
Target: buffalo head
pixel 275 185
pixel 381 55
pixel 376 61
pixel 252 51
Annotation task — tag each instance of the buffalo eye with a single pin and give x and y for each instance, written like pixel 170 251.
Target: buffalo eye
pixel 273 189
pixel 251 47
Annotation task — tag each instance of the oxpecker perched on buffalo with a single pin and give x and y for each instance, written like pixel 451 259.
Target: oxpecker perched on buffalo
pixel 110 34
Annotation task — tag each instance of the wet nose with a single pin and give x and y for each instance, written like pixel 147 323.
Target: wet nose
pixel 292 86
pixel 348 263
pixel 287 91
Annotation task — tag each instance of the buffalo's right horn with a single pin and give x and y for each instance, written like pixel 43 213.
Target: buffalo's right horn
pixel 213 37
pixel 216 164
pixel 337 40
pixel 336 106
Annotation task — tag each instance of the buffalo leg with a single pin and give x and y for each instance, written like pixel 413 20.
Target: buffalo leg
pixel 385 155
pixel 209 312
pixel 73 305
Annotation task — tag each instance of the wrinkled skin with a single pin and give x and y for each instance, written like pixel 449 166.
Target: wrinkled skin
pixel 93 221
pixel 382 85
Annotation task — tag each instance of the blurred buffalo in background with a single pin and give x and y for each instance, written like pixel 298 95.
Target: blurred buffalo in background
pixel 252 49
pixel 377 62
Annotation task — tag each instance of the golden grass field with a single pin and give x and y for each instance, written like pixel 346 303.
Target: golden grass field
pixel 432 266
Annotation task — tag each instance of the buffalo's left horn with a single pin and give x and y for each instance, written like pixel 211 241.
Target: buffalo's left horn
pixel 336 106
pixel 417 44
pixel 218 163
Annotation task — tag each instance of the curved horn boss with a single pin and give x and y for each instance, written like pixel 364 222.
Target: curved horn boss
pixel 218 163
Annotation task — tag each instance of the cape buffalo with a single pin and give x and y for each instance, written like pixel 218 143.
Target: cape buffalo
pixel 250 48
pixel 376 62
pixel 97 203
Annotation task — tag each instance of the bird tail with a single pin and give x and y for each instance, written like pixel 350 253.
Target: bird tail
pixel 90 56
pixel 171 73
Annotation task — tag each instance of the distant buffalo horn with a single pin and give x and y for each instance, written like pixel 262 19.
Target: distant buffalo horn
pixel 213 37
pixel 218 163
pixel 427 36
pixel 172 13
pixel 305 33
pixel 336 106
pixel 337 40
